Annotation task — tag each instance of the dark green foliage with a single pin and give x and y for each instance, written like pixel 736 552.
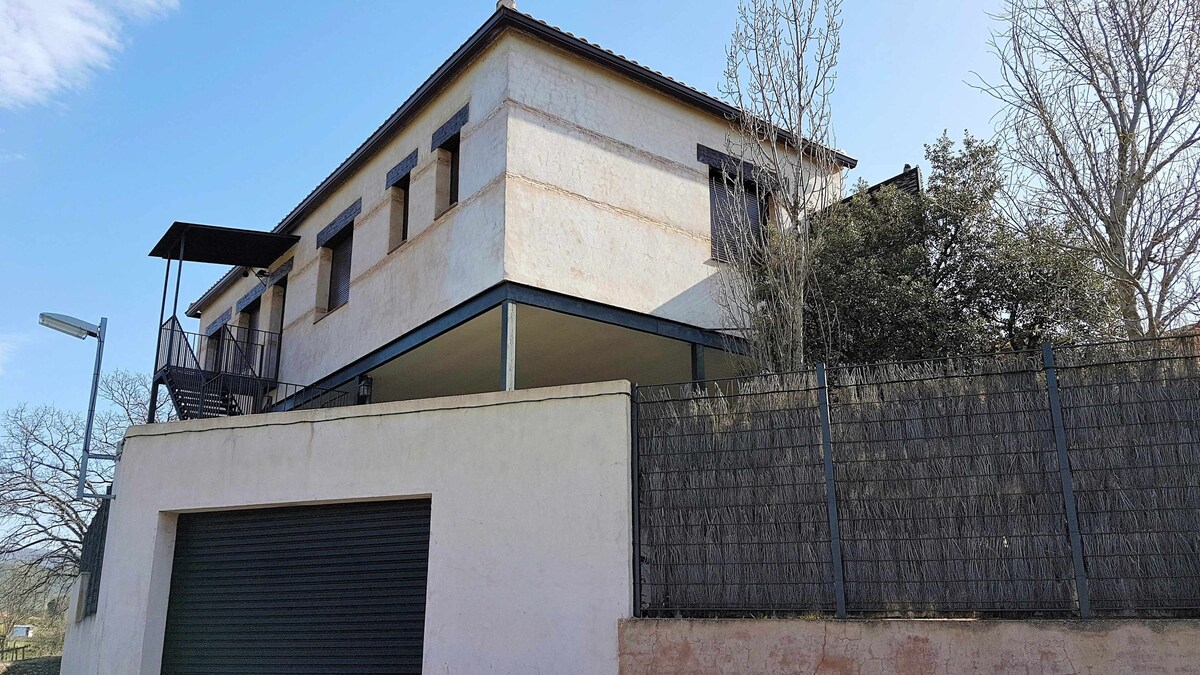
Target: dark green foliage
pixel 907 276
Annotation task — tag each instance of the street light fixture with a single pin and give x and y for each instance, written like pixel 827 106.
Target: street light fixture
pixel 83 330
pixel 70 325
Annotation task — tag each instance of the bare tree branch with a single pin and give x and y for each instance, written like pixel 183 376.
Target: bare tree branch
pixel 780 74
pixel 41 522
pixel 1102 122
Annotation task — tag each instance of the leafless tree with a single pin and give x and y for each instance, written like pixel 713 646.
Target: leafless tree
pixel 780 75
pixel 41 522
pixel 1101 121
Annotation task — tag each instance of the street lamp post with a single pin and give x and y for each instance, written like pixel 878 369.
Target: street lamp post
pixel 83 330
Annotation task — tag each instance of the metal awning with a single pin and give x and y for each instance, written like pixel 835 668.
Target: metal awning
pixel 222 245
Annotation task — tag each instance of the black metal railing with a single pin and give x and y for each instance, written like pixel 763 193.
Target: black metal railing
pixel 231 371
pixel 91 557
pixel 229 349
pixel 1052 483
pixel 250 395
pixel 15 652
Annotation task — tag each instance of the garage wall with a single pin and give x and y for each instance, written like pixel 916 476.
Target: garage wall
pixel 529 560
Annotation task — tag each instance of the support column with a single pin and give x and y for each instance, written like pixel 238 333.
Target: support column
pixel 1082 593
pixel 835 536
pixel 697 363
pixel 152 407
pixel 508 345
pixel 178 276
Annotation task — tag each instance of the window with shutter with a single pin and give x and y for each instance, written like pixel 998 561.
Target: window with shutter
pixel 451 146
pixel 398 217
pixel 252 313
pixel 446 189
pixel 339 270
pixel 445 146
pixel 399 178
pixel 250 344
pixel 733 211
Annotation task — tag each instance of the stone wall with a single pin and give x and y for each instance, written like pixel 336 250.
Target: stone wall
pixel 908 646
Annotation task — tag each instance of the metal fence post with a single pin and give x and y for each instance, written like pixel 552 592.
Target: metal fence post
pixel 635 498
pixel 1064 470
pixel 835 536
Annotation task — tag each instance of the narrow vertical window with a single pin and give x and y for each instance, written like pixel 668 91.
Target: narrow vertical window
pixel 446 144
pixel 398 181
pixel 398 219
pixel 250 344
pixel 451 147
pixel 447 158
pixel 339 269
pixel 335 244
pixel 251 315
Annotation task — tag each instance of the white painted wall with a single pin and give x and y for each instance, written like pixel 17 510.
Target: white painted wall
pixel 605 198
pixel 529 561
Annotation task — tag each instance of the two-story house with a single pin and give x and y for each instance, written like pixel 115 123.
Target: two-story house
pixel 537 213
pixel 535 216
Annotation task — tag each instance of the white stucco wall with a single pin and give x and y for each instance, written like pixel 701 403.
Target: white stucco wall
pixel 529 560
pixel 605 197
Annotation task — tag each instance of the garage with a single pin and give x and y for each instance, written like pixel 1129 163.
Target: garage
pixel 305 589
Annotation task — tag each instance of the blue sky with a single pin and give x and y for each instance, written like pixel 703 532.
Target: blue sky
pixel 125 115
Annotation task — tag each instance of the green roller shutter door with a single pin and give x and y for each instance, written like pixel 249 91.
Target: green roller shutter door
pixel 306 589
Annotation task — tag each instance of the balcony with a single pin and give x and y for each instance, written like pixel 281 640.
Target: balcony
pixel 231 371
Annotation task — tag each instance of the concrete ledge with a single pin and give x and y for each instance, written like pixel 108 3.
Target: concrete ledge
pixel 908 646
pixel 568 391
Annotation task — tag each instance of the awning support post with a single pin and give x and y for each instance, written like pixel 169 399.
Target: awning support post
pixel 508 345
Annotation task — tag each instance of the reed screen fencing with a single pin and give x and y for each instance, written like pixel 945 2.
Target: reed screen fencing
pixel 1062 482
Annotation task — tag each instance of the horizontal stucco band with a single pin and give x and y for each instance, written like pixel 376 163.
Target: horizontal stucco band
pixel 536 297
pixel 405 167
pixel 344 218
pixel 275 277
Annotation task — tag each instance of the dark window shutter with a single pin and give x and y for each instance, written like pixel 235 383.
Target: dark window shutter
pixel 721 200
pixel 756 213
pixel 252 315
pixel 727 218
pixel 403 187
pixel 452 146
pixel 339 271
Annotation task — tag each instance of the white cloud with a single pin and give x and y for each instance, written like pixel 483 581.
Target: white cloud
pixel 8 349
pixel 6 156
pixel 49 46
